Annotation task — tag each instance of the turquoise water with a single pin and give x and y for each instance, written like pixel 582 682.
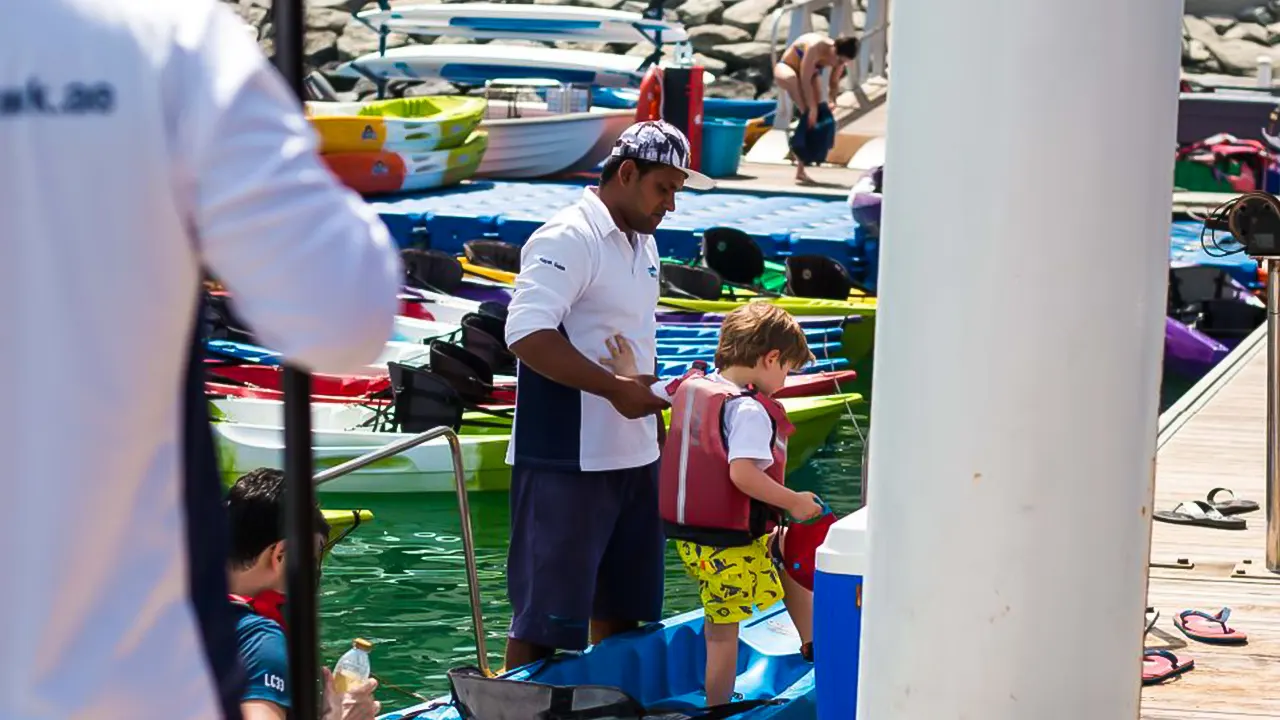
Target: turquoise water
pixel 401 581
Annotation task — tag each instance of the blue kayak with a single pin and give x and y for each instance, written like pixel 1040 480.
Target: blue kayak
pixel 661 667
pixel 711 333
pixel 673 368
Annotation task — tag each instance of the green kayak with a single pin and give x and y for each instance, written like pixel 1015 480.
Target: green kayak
pixel 251 436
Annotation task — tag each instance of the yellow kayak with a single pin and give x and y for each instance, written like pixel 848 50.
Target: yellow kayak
pixel 862 305
pixel 343 522
pixel 411 125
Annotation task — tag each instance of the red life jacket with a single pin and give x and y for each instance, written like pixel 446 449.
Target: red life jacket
pixel 269 604
pixel 697 499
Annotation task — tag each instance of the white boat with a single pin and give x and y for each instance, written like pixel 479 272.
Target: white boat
pixel 476 64
pixel 525 22
pixel 541 142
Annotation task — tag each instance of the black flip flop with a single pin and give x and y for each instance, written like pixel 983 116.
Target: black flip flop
pixel 1201 513
pixel 1232 505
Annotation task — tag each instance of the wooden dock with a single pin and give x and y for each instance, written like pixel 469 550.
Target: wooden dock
pixel 1215 437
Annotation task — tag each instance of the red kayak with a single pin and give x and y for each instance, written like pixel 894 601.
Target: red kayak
pixel 263 382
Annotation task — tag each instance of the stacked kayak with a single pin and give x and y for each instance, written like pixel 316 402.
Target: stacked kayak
pixel 401 145
pixel 250 434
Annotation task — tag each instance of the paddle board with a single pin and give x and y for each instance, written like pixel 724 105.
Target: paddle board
pixel 525 22
pixel 476 64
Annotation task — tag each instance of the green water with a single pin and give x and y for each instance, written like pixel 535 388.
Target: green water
pixel 401 582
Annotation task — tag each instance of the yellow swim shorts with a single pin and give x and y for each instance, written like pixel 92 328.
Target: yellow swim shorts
pixel 733 582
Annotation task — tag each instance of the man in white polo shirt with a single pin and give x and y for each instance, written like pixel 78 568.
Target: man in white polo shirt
pixel 586 538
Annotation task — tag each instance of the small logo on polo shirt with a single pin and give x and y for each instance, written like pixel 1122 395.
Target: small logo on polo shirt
pixel 653 271
pixel 552 263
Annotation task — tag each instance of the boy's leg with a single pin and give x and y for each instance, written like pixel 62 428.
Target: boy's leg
pixel 722 661
pixel 561 522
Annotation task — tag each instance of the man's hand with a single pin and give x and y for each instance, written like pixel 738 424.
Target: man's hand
pixel 356 704
pixel 812 116
pixel 633 399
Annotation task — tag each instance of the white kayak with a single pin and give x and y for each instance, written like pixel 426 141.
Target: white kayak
pixel 251 435
pixel 525 22
pixel 476 64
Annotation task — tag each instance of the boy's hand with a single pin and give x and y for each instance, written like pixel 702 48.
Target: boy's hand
pixel 622 356
pixel 804 506
pixel 355 704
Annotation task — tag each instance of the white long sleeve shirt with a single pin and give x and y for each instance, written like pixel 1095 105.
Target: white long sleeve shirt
pixel 141 140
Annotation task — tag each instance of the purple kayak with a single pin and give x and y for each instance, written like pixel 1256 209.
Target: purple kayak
pixel 1190 353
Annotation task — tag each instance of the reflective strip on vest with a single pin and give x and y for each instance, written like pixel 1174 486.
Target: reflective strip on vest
pixel 685 442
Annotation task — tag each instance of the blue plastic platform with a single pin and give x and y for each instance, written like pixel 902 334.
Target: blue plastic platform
pixel 781 224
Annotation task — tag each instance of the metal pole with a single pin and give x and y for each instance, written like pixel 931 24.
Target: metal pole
pixel 1273 414
pixel 299 492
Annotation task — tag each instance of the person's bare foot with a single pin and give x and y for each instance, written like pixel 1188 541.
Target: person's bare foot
pixel 802 177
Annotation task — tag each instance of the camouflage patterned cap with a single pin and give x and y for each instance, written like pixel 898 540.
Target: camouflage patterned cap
pixel 661 142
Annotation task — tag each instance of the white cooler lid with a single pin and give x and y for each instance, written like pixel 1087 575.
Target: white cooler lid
pixel 846 550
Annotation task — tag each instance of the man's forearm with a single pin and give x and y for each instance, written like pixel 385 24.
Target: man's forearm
pixel 551 355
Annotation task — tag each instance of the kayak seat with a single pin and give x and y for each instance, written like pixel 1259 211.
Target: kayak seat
pixel 495 310
pixel 1189 286
pixel 423 400
pixel 431 270
pixel 477 697
pixel 469 374
pixel 484 335
pixel 494 254
pixel 817 276
pixel 691 282
pixel 222 322
pixel 733 254
pixel 1229 319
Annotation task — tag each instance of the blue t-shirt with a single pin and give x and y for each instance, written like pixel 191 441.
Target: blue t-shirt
pixel 265 655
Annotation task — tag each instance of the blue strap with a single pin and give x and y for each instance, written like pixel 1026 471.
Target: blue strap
pixel 1160 652
pixel 1220 618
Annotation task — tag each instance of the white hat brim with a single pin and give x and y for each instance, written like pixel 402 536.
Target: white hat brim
pixel 694 180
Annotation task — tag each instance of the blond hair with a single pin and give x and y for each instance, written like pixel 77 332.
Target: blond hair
pixel 754 330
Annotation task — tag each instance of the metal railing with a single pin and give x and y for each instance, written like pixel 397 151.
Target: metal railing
pixel 464 511
pixel 872 56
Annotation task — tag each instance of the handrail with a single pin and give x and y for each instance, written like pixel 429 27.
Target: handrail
pixel 464 510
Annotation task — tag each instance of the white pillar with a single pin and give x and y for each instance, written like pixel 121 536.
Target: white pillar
pixel 1022 278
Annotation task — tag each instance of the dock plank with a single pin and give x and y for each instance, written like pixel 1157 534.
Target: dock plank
pixel 1223 444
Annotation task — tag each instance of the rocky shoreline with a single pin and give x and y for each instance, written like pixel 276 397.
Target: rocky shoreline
pixel 731 39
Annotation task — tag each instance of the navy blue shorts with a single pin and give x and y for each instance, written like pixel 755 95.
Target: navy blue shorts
pixel 584 545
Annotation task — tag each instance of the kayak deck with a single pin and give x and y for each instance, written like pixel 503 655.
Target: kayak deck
pixel 662 665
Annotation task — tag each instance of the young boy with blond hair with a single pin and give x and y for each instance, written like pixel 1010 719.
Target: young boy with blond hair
pixel 722 491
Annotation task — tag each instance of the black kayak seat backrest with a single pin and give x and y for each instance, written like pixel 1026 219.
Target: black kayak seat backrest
pixel 466 372
pixel 423 400
pixel 1197 283
pixel 817 276
pixel 733 254
pixel 431 270
pixel 689 281
pixel 484 336
pixel 1229 318
pixel 494 254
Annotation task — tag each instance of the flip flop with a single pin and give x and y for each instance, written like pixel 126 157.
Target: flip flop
pixel 1159 665
pixel 1155 615
pixel 1232 505
pixel 1199 512
pixel 1212 629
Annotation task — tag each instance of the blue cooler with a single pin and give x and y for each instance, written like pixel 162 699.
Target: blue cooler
pixel 841 565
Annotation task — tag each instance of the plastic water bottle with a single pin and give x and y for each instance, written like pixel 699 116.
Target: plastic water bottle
pixel 353 667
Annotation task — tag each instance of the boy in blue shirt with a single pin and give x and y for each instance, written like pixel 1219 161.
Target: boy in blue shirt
pixel 257 580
